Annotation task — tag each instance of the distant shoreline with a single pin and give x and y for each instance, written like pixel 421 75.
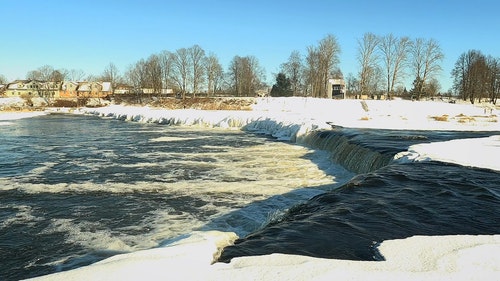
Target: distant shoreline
pixel 393 114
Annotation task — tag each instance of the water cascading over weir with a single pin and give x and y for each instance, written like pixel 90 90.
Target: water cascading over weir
pixel 353 156
pixel 345 146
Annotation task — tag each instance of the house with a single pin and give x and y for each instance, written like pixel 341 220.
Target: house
pixel 151 91
pixel 56 90
pixel 336 89
pixel 122 89
pixel 23 88
pixel 49 89
pixel 68 89
pixel 84 89
pixel 263 92
pixel 93 90
pixel 106 89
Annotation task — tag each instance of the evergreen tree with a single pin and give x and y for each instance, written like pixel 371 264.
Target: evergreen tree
pixel 283 86
pixel 418 89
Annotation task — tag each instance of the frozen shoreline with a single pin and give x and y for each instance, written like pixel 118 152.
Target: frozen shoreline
pixel 424 258
pixel 460 257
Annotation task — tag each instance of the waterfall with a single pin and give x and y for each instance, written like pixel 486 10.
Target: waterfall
pixel 352 156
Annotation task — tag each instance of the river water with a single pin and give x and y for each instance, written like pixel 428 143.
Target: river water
pixel 77 189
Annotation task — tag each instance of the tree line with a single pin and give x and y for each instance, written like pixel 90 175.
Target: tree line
pixel 309 76
pixel 385 62
pixel 477 76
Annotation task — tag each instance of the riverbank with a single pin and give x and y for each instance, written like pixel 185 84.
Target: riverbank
pixel 394 114
pixel 310 113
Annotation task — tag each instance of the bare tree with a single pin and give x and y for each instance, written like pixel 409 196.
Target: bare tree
pixel 394 53
pixel 33 75
pixel 368 60
pixel 293 69
pixel 234 72
pixel 181 70
pixel 197 57
pixel 132 76
pixel 321 62
pixel 476 76
pixel 311 72
pixel 166 63
pixel 58 75
pixel 254 75
pixel 426 59
pixel 493 79
pixel 3 79
pixel 433 87
pixel 110 74
pixel 92 78
pixel 153 74
pixel 460 73
pixel 42 73
pixel 214 73
pixel 352 84
pixel 47 73
pixel 246 75
pixel 76 74
pixel 136 76
pixel 329 51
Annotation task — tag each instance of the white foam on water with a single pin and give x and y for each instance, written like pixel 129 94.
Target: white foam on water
pixel 23 215
pixel 269 169
pixel 90 235
pixel 172 139
pixel 38 171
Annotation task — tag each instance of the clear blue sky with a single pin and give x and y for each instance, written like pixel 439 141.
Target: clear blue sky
pixel 88 35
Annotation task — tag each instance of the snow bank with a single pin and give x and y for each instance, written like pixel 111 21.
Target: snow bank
pixel 384 114
pixel 480 152
pixel 290 118
pixel 5 116
pixel 283 126
pixel 415 258
pixel 12 102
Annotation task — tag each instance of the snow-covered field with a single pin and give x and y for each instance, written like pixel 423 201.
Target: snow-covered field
pixel 415 258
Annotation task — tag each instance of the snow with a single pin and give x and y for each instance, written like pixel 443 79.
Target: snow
pixel 19 115
pixel 423 258
pixel 458 257
pixel 480 152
